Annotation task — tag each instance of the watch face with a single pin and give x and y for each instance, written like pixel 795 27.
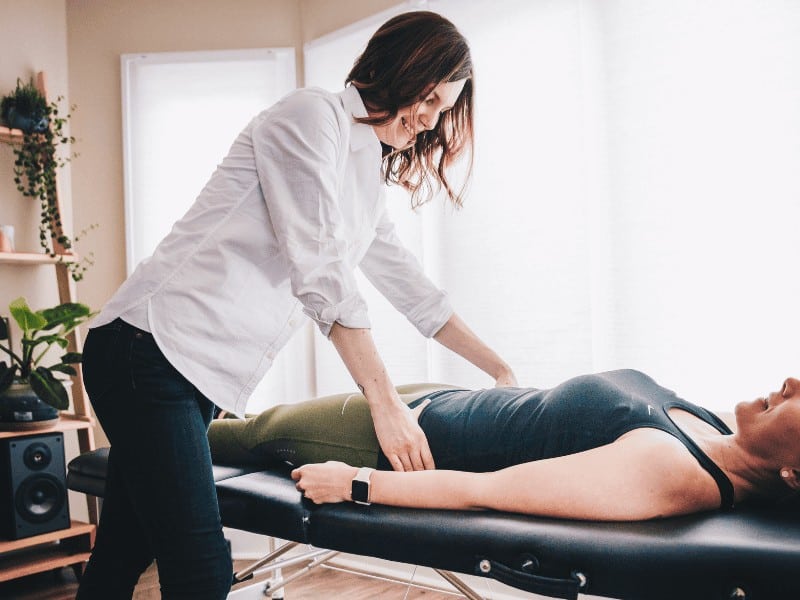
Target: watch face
pixel 360 491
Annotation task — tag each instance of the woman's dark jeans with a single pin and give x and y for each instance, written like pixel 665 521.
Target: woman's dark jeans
pixel 160 501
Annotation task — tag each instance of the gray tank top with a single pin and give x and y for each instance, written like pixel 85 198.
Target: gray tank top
pixel 486 430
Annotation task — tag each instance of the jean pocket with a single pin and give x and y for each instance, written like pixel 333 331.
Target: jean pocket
pixel 100 363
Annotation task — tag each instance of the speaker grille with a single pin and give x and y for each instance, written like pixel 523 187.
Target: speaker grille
pixel 37 456
pixel 40 498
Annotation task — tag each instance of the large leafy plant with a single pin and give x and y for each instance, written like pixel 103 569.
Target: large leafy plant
pixel 41 330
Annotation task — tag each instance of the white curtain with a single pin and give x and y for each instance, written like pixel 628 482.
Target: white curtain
pixel 635 199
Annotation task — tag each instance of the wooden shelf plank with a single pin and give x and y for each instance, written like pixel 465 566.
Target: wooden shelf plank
pixel 47 551
pixel 66 422
pixel 75 529
pixel 45 561
pixel 33 258
pixel 10 136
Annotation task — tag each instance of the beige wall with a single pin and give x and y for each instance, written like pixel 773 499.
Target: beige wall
pixel 318 17
pixel 33 37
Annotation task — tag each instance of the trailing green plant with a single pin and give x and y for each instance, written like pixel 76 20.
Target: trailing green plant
pixel 37 161
pixel 41 330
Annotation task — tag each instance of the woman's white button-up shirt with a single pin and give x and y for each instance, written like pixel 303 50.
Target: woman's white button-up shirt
pixel 277 231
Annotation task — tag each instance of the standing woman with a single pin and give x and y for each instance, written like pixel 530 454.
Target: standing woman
pixel 277 232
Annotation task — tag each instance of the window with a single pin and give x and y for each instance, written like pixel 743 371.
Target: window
pixel 181 112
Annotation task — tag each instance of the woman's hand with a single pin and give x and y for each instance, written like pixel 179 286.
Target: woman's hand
pixel 459 338
pixel 325 482
pixel 402 440
pixel 507 379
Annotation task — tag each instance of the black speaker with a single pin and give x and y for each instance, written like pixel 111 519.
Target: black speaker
pixel 33 490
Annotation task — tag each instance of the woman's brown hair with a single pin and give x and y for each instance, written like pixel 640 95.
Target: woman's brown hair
pixel 404 60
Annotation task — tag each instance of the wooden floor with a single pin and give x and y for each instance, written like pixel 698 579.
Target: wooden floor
pixel 328 584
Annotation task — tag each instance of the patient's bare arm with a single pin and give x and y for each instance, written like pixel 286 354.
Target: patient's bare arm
pixel 643 476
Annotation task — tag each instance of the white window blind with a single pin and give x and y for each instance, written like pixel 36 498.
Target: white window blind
pixel 181 112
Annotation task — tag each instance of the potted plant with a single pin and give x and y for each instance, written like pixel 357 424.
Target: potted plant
pixel 30 391
pixel 37 160
pixel 25 108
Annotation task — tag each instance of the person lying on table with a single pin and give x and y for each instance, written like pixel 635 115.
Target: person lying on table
pixel 609 446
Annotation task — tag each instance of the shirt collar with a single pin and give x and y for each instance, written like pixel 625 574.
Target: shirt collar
pixel 361 134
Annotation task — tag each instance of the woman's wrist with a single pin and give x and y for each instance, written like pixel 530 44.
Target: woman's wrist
pixel 359 354
pixel 504 376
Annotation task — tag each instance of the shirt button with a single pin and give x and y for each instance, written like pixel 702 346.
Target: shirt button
pixel 270 355
pixel 292 322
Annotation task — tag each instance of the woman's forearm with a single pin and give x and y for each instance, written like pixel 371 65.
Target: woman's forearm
pixel 458 337
pixel 360 355
pixel 400 437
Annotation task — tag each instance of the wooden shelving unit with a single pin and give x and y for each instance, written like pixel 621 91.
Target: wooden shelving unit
pixel 71 546
pixel 10 136
pixel 65 422
pixel 65 548
pixel 33 258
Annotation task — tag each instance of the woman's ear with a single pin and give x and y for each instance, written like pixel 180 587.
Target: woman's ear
pixel 791 477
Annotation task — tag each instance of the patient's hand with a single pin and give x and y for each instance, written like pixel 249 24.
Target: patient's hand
pixel 325 482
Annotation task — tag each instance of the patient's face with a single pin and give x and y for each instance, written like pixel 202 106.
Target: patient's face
pixel 770 426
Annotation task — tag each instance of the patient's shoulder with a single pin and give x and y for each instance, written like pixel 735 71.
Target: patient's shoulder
pixel 683 485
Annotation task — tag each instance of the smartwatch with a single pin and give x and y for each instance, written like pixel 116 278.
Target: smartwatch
pixel 359 489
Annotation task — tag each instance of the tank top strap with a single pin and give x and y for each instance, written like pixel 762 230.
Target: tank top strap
pixel 724 484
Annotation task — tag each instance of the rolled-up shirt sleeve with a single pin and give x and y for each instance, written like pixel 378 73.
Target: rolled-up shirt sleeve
pixel 397 274
pixel 300 152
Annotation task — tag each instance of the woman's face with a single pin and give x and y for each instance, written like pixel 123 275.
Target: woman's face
pixel 770 426
pixel 402 131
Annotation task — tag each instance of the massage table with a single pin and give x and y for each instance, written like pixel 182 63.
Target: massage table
pixel 743 554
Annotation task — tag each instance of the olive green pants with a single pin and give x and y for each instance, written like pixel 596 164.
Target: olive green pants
pixel 335 427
